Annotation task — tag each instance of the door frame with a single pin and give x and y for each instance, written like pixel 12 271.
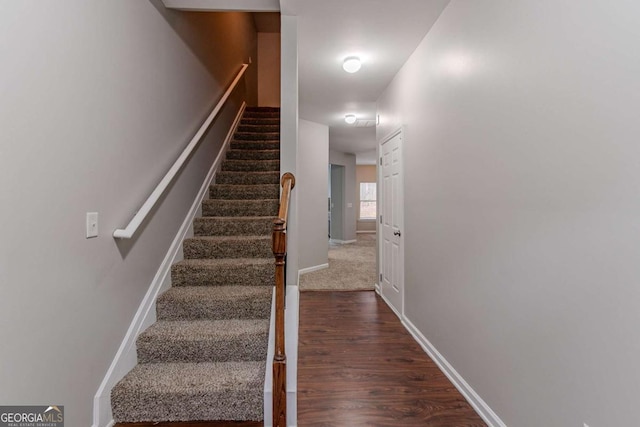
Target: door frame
pixel 337 215
pixel 399 131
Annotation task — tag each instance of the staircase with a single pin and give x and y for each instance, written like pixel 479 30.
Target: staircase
pixel 205 357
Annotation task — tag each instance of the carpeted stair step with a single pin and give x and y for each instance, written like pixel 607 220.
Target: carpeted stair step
pixel 251 165
pixel 227 247
pixel 190 391
pixel 248 178
pixel 244 192
pixel 214 303
pixel 204 341
pixel 263 109
pixel 261 114
pixel 260 121
pixel 233 225
pixel 258 207
pixel 253 128
pixel 259 136
pixel 255 145
pixel 224 272
pixel 253 154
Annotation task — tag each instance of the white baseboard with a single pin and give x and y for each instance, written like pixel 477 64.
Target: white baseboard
pixel 291 321
pixel 384 298
pixel 341 242
pixel 312 269
pixel 126 357
pixel 480 406
pixel 366 232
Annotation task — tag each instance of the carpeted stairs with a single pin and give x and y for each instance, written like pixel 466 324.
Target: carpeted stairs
pixel 205 357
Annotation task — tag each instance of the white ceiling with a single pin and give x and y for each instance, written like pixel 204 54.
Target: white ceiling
pixel 382 33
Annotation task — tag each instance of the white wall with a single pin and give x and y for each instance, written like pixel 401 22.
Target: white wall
pixel 269 69
pixel 347 160
pixel 97 100
pixel 522 208
pixel 311 184
pixel 289 133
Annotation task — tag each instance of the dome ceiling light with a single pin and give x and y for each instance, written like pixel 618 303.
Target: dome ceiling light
pixel 350 118
pixel 351 64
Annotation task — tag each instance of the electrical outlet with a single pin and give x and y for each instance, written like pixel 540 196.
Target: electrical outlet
pixel 92 224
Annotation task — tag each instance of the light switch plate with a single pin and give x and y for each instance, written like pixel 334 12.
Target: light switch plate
pixel 92 224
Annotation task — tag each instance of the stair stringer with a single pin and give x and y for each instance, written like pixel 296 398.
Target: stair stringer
pixel 126 356
pixel 291 318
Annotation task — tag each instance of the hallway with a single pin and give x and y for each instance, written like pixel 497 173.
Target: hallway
pixel 359 367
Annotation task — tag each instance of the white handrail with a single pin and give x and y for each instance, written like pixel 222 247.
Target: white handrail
pixel 130 230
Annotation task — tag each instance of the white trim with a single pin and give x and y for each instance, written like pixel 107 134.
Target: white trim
pixel 312 269
pixel 126 357
pixel 291 316
pixel 341 242
pixel 141 214
pixel 366 232
pixel 480 406
pixel 386 301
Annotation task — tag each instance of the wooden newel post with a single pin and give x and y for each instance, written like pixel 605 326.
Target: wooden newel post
pixel 279 245
pixel 280 359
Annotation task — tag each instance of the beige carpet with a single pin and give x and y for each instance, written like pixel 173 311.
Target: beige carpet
pixel 352 267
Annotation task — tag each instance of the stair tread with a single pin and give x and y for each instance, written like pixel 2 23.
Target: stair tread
pixel 229 238
pixel 206 329
pixel 215 302
pixel 223 272
pixel 252 160
pixel 239 201
pixel 245 186
pixel 261 108
pixel 236 218
pixel 192 378
pixel 239 173
pixel 243 173
pixel 221 262
pixel 216 293
pixel 274 133
pixel 182 391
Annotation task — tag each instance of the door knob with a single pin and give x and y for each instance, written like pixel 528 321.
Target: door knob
pixel 397 233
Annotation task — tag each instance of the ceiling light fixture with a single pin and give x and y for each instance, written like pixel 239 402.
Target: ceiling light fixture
pixel 350 118
pixel 351 64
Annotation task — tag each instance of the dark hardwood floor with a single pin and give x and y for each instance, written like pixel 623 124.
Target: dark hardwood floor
pixel 358 366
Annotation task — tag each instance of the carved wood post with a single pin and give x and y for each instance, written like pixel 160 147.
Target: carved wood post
pixel 279 246
pixel 280 359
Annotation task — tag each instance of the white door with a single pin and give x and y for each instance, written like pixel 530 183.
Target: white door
pixel 392 212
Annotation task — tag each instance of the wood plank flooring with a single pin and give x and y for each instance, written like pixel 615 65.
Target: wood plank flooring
pixel 358 366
